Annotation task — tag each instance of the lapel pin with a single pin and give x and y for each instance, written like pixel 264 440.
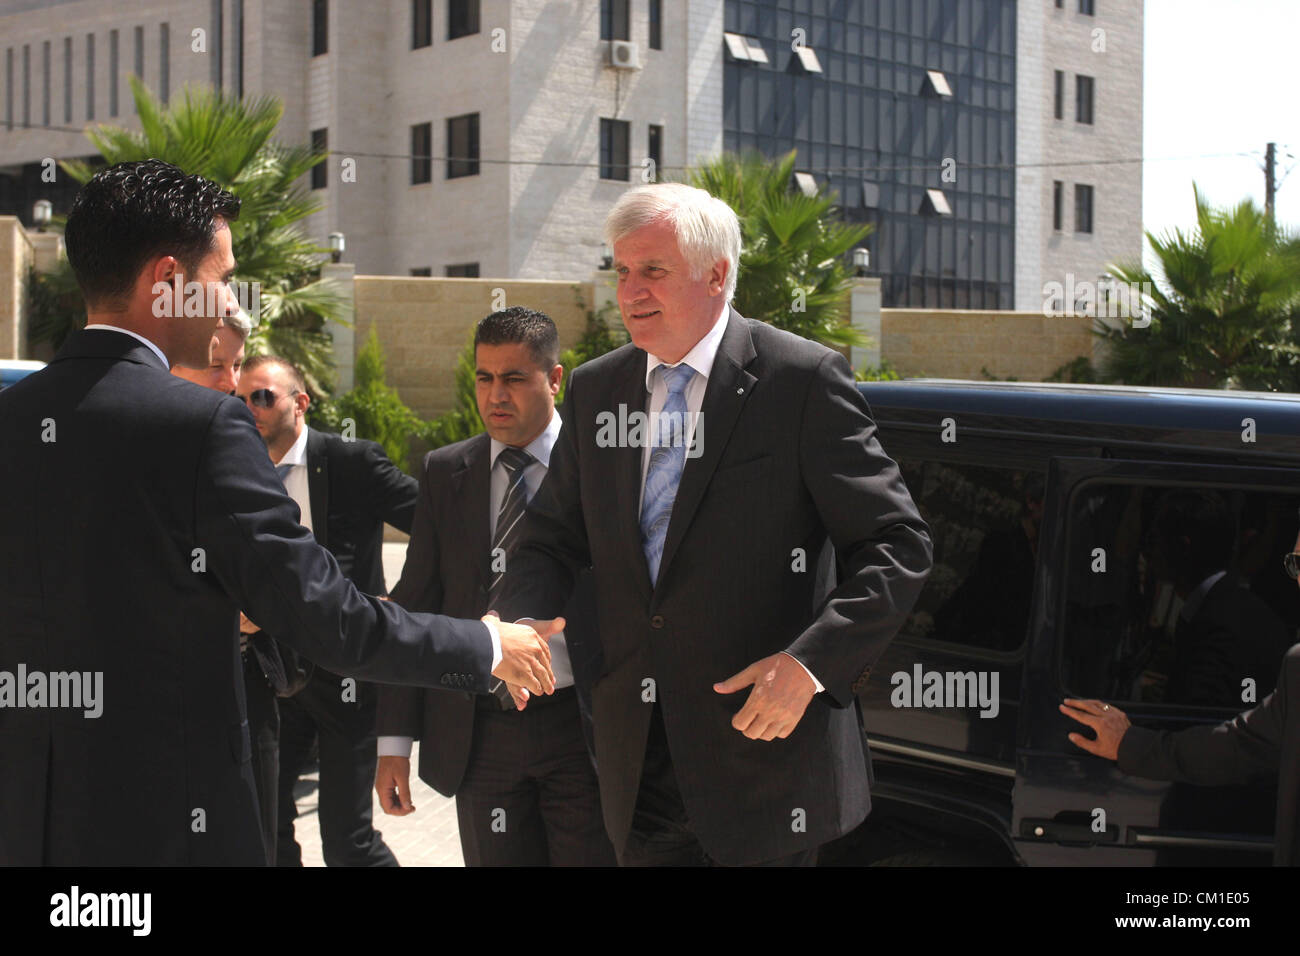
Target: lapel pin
pixel 740 391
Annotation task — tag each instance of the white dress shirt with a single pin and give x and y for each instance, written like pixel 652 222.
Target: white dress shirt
pixel 540 448
pixel 135 335
pixel 295 482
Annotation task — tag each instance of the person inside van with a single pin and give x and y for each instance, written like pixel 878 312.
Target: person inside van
pixel 1224 633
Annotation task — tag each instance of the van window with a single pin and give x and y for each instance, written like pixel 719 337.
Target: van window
pixel 984 523
pixel 1176 594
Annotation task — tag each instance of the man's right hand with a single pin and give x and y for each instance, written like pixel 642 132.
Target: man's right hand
pixel 393 784
pixel 1107 720
pixel 525 653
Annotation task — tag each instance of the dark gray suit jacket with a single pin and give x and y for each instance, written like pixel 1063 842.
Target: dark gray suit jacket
pixel 789 456
pixel 99 572
pixel 1259 743
pixel 448 570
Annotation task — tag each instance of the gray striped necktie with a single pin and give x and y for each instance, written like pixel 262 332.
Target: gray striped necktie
pixel 510 517
pixel 509 524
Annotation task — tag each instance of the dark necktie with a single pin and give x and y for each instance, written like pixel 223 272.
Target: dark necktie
pixel 506 539
pixel 283 472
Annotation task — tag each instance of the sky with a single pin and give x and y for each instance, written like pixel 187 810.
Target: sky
pixel 1220 76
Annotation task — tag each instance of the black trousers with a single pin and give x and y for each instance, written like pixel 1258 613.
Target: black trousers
pixel 264 735
pixel 661 833
pixel 343 718
pixel 530 795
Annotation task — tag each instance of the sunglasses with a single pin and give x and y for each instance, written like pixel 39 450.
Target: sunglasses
pixel 263 397
pixel 1292 564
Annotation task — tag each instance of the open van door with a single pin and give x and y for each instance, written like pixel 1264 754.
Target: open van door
pixel 1109 622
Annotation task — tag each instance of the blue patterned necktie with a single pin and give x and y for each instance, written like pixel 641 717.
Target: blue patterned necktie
pixel 666 463
pixel 283 472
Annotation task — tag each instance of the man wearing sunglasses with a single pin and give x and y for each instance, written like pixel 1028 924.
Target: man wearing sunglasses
pixel 138 515
pixel 346 490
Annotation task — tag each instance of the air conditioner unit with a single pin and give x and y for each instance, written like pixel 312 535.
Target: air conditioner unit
pixel 623 55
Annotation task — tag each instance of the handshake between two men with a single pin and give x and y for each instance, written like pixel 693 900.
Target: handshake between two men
pixel 525 664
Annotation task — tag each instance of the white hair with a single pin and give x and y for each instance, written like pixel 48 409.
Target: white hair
pixel 241 323
pixel 707 229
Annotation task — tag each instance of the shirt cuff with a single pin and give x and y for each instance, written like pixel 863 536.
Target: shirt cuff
pixel 394 747
pixel 496 644
pixel 815 681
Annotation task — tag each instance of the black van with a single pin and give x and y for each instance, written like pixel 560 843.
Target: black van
pixel 1050 508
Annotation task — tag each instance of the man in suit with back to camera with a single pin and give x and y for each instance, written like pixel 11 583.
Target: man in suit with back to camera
pixel 526 791
pixel 726 720
pixel 138 514
pixel 345 490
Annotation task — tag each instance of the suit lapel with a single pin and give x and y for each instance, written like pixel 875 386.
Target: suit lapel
pixel 471 484
pixel 630 394
pixel 728 390
pixel 318 486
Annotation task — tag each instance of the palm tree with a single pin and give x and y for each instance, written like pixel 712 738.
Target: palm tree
pixel 228 140
pixel 793 272
pixel 1223 307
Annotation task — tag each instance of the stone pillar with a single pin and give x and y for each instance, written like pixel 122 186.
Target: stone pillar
pixel 864 315
pixel 604 289
pixel 342 274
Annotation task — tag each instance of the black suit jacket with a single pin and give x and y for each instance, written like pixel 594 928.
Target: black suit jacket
pixel 789 456
pixel 448 570
pixel 138 512
pixel 354 490
pixel 1259 743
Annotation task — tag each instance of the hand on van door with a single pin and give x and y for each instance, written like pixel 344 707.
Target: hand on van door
pixel 1108 721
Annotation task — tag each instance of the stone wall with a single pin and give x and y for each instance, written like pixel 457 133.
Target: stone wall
pixel 961 344
pixel 424 323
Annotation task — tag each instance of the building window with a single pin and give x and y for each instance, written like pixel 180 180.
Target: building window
pixel 112 72
pixel 462 18
pixel 164 62
pixel 421 23
pixel 1058 201
pixel 90 76
pixel 1083 86
pixel 27 85
pixel 462 146
pixel 139 59
pixel 9 88
pixel 45 83
pixel 656 24
pixel 320 42
pixel 215 57
pixel 464 270
pixel 319 144
pixel 1082 208
pixel 614 149
pixel 424 272
pixel 237 28
pixel 655 149
pixel 1058 109
pixel 67 79
pixel 614 20
pixel 1087 7
pixel 421 153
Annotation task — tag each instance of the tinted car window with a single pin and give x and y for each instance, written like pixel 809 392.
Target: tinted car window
pixel 984 523
pixel 1177 595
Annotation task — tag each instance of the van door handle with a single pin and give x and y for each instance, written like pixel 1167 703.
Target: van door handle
pixel 1059 831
